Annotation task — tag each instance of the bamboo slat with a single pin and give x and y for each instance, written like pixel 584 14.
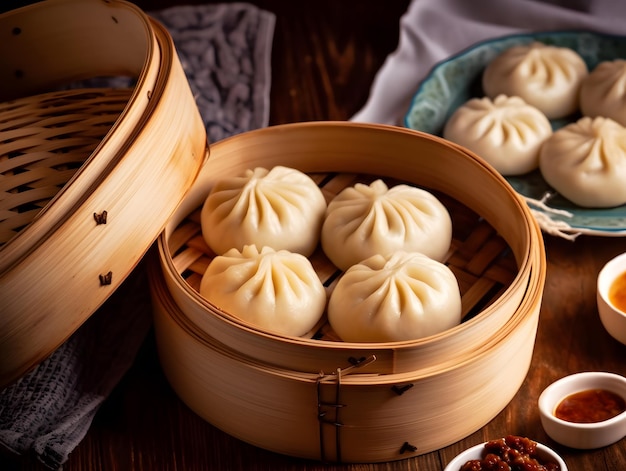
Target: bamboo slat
pixel 59 268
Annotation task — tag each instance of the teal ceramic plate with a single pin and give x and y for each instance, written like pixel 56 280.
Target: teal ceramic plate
pixel 457 79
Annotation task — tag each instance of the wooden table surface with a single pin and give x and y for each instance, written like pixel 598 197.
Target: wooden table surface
pixel 325 56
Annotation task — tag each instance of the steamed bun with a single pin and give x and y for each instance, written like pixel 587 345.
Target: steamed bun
pixel 403 296
pixel 585 162
pixel 277 291
pixel 365 220
pixel 282 208
pixel 506 132
pixel 603 92
pixel 544 76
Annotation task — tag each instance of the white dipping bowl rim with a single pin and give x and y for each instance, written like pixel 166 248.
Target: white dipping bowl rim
pixel 583 436
pixel 475 453
pixel 613 319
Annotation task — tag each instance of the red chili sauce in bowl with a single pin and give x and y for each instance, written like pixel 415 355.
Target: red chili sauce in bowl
pixel 590 406
pixel 511 453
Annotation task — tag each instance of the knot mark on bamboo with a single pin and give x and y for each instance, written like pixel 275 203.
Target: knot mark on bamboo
pixel 407 447
pixel 106 279
pixel 100 218
pixel 356 361
pixel 400 390
pixel 17 31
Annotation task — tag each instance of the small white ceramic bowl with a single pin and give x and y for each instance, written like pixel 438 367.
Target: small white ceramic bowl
pixel 475 453
pixel 613 320
pixel 582 436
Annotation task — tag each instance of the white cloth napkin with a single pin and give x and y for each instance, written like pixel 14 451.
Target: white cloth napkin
pixel 433 30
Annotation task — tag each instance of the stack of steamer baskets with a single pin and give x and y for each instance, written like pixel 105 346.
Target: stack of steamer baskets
pixel 321 398
pixel 88 176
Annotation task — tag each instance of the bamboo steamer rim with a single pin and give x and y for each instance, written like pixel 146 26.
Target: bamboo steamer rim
pixel 527 312
pixel 35 33
pixel 528 248
pixel 48 274
pixel 351 375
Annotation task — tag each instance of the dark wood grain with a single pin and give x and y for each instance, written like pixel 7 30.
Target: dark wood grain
pixel 325 56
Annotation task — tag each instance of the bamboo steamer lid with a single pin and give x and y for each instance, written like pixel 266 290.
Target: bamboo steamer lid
pixel 99 171
pixel 337 401
pixel 385 152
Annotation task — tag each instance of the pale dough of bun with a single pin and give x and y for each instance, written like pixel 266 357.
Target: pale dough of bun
pixel 365 220
pixel 403 296
pixel 276 291
pixel 281 208
pixel 506 132
pixel 603 92
pixel 544 76
pixel 585 162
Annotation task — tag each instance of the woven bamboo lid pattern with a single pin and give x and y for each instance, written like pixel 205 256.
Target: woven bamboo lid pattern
pixel 89 177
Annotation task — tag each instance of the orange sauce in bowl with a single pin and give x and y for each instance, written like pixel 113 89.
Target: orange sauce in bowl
pixel 617 292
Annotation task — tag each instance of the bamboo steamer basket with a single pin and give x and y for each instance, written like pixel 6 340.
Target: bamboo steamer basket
pixel 319 398
pixel 89 176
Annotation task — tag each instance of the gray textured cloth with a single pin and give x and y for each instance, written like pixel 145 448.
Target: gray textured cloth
pixel 225 50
